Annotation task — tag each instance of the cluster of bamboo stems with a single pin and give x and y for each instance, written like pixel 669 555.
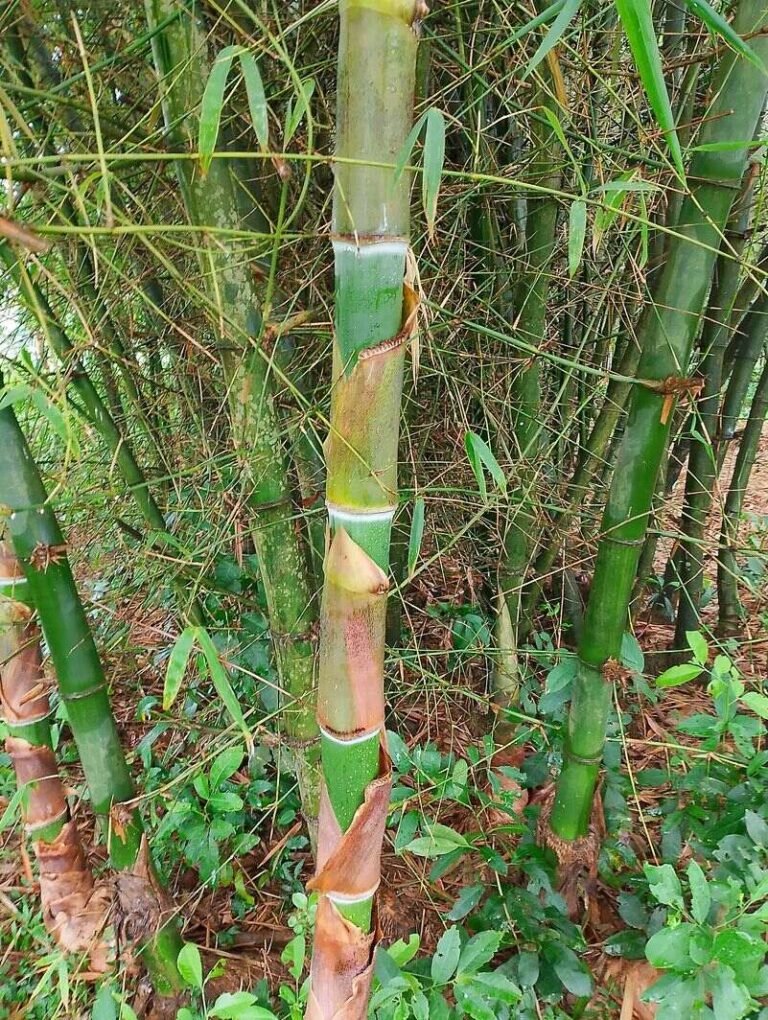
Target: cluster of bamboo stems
pixel 690 360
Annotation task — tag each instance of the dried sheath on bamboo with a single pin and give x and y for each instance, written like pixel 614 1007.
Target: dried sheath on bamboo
pixel 376 71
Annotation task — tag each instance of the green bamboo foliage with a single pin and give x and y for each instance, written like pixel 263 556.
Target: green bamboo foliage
pixel 95 408
pixel 74 910
pixel 666 334
pixel 374 316
pixel 181 59
pixel 41 550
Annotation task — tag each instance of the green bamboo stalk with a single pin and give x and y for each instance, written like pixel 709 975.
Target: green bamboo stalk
pixel 41 549
pixel 666 334
pixel 181 59
pixel 74 910
pixel 376 75
pixel 730 614
pixel 751 343
pixel 702 461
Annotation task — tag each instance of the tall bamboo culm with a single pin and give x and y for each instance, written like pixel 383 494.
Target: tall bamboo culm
pixel 180 53
pixel 376 74
pixel 666 335
pixel 40 547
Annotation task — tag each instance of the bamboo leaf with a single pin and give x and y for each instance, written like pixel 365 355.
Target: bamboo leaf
pixel 177 666
pixel 434 158
pixel 221 682
pixel 637 20
pixel 257 100
pixel 212 104
pixel 406 150
pixel 568 12
pixel 577 232
pixel 717 24
pixel 417 532
pixel 480 455
pixel 297 111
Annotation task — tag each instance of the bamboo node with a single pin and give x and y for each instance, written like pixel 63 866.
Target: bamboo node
pixel 672 387
pixel 42 556
pixel 613 673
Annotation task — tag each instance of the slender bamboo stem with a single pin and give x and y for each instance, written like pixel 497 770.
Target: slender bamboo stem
pixel 666 334
pixel 532 292
pixel 730 615
pixel 702 462
pixel 376 71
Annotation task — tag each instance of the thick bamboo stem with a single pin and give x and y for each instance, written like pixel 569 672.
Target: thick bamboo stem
pixel 74 911
pixel 41 550
pixel 666 334
pixel 376 71
pixel 180 53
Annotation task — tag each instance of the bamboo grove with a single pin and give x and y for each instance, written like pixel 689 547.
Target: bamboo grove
pixel 366 365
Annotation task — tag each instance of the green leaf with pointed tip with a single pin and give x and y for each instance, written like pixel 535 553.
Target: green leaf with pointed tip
pixel 480 455
pixel 257 100
pixel 478 951
pixel 212 105
pixel 757 702
pixel 664 884
pixel 698 645
pixel 577 232
pixel 225 765
pixel 637 20
pixel 569 11
pixel 717 24
pixel 177 666
pixel 434 158
pixel 417 533
pixel 221 681
pixel 297 111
